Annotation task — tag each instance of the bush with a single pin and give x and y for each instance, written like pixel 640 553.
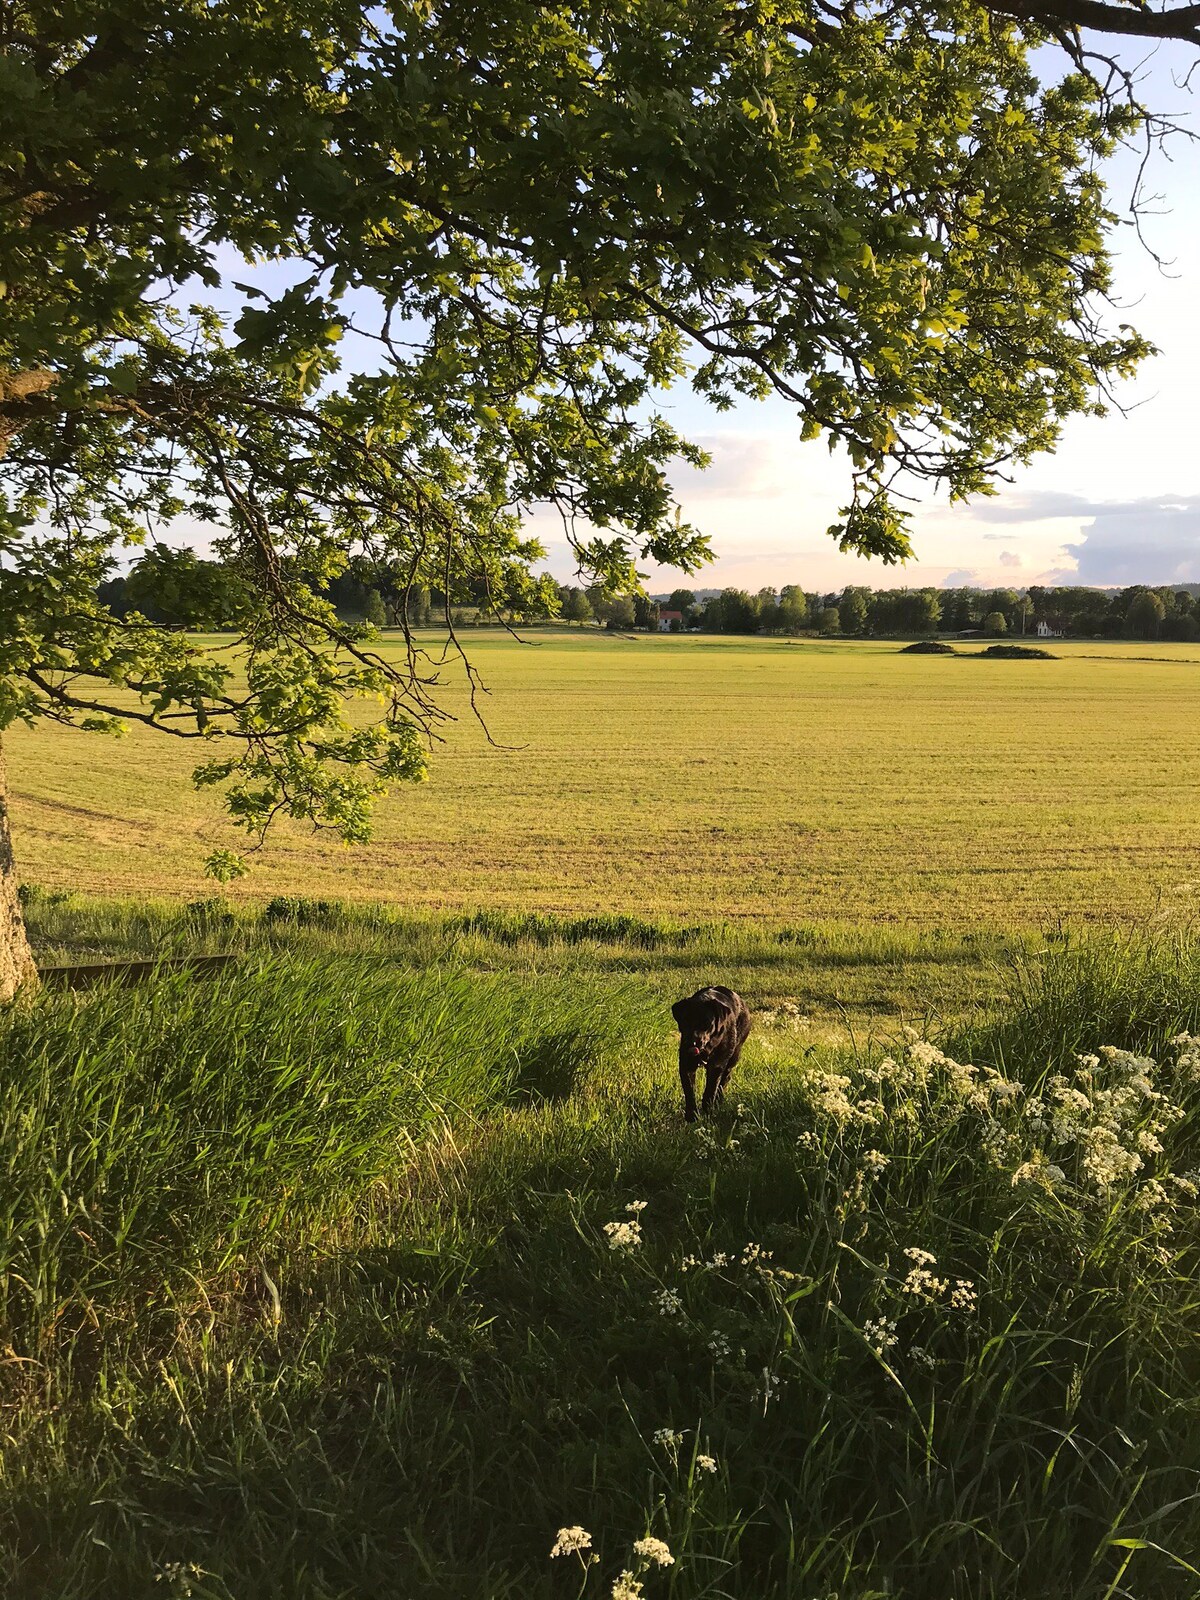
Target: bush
pixel 1017 652
pixel 302 912
pixel 929 647
pixel 545 928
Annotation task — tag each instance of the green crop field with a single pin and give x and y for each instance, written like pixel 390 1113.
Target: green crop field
pixel 710 778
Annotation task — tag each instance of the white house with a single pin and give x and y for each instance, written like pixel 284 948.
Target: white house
pixel 1045 631
pixel 666 618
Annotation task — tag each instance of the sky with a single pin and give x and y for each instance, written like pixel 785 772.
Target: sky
pixel 1118 503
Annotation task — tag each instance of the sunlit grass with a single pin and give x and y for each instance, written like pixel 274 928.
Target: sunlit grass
pixel 705 779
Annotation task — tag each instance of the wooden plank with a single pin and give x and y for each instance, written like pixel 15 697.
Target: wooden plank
pixel 87 974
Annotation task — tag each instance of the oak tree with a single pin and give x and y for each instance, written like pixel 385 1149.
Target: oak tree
pixel 336 283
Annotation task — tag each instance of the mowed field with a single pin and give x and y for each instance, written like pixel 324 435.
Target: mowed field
pixel 709 778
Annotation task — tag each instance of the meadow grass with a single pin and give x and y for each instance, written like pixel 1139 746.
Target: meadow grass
pixel 708 779
pixel 839 976
pixel 311 1289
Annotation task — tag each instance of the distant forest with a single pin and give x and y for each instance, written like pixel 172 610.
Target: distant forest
pixel 176 587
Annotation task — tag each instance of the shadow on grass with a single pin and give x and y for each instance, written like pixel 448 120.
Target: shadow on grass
pixel 487 1360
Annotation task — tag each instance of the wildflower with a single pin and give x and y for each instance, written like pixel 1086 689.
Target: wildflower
pixel 999 1146
pixel 922 1284
pixel 923 1357
pixel 963 1296
pixel 880 1334
pixel 719 1259
pixel 875 1160
pixel 668 1303
pixel 1105 1160
pixel 1187 1056
pixel 755 1256
pixel 1150 1195
pixel 719 1345
pixel 706 1463
pixel 1040 1171
pixel 689 1262
pixel 920 1258
pixel 924 1053
pixel 807 1141
pixel 571 1541
pixel 829 1095
pixel 668 1438
pixel 626 1587
pixel 180 1577
pixel 655 1551
pixel 637 1206
pixel 770 1388
pixel 623 1235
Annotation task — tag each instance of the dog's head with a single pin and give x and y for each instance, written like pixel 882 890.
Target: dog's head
pixel 702 1019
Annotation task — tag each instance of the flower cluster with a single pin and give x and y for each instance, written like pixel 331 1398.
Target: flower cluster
pixel 623 1235
pixel 572 1541
pixel 830 1096
pixel 880 1334
pixel 654 1552
pixel 1108 1114
pixel 626 1235
pixel 1097 1127
pixel 787 1014
pixel 920 1282
pixel 1187 1057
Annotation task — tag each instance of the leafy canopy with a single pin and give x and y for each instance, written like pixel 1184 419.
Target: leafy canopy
pixel 365 283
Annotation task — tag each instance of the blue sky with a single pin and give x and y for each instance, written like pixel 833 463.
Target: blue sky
pixel 1118 503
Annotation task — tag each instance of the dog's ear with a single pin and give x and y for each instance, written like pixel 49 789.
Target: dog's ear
pixel 680 1010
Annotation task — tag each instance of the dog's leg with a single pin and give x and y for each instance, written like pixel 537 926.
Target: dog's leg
pixel 712 1087
pixel 687 1077
pixel 726 1074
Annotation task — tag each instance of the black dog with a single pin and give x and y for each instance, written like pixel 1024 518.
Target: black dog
pixel 713 1027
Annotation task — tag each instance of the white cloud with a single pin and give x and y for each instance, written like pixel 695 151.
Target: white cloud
pixel 1010 558
pixel 744 467
pixel 1156 540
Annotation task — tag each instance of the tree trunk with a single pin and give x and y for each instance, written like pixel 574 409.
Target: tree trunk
pixel 16 961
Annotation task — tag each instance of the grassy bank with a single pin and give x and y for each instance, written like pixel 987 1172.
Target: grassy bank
pixel 313 1289
pixel 866 978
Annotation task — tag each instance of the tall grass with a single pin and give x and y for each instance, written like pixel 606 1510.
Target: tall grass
pixel 164 1135
pixel 365 1333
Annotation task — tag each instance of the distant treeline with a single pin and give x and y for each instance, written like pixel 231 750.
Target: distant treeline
pixel 176 587
pixel 180 589
pixel 1140 612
